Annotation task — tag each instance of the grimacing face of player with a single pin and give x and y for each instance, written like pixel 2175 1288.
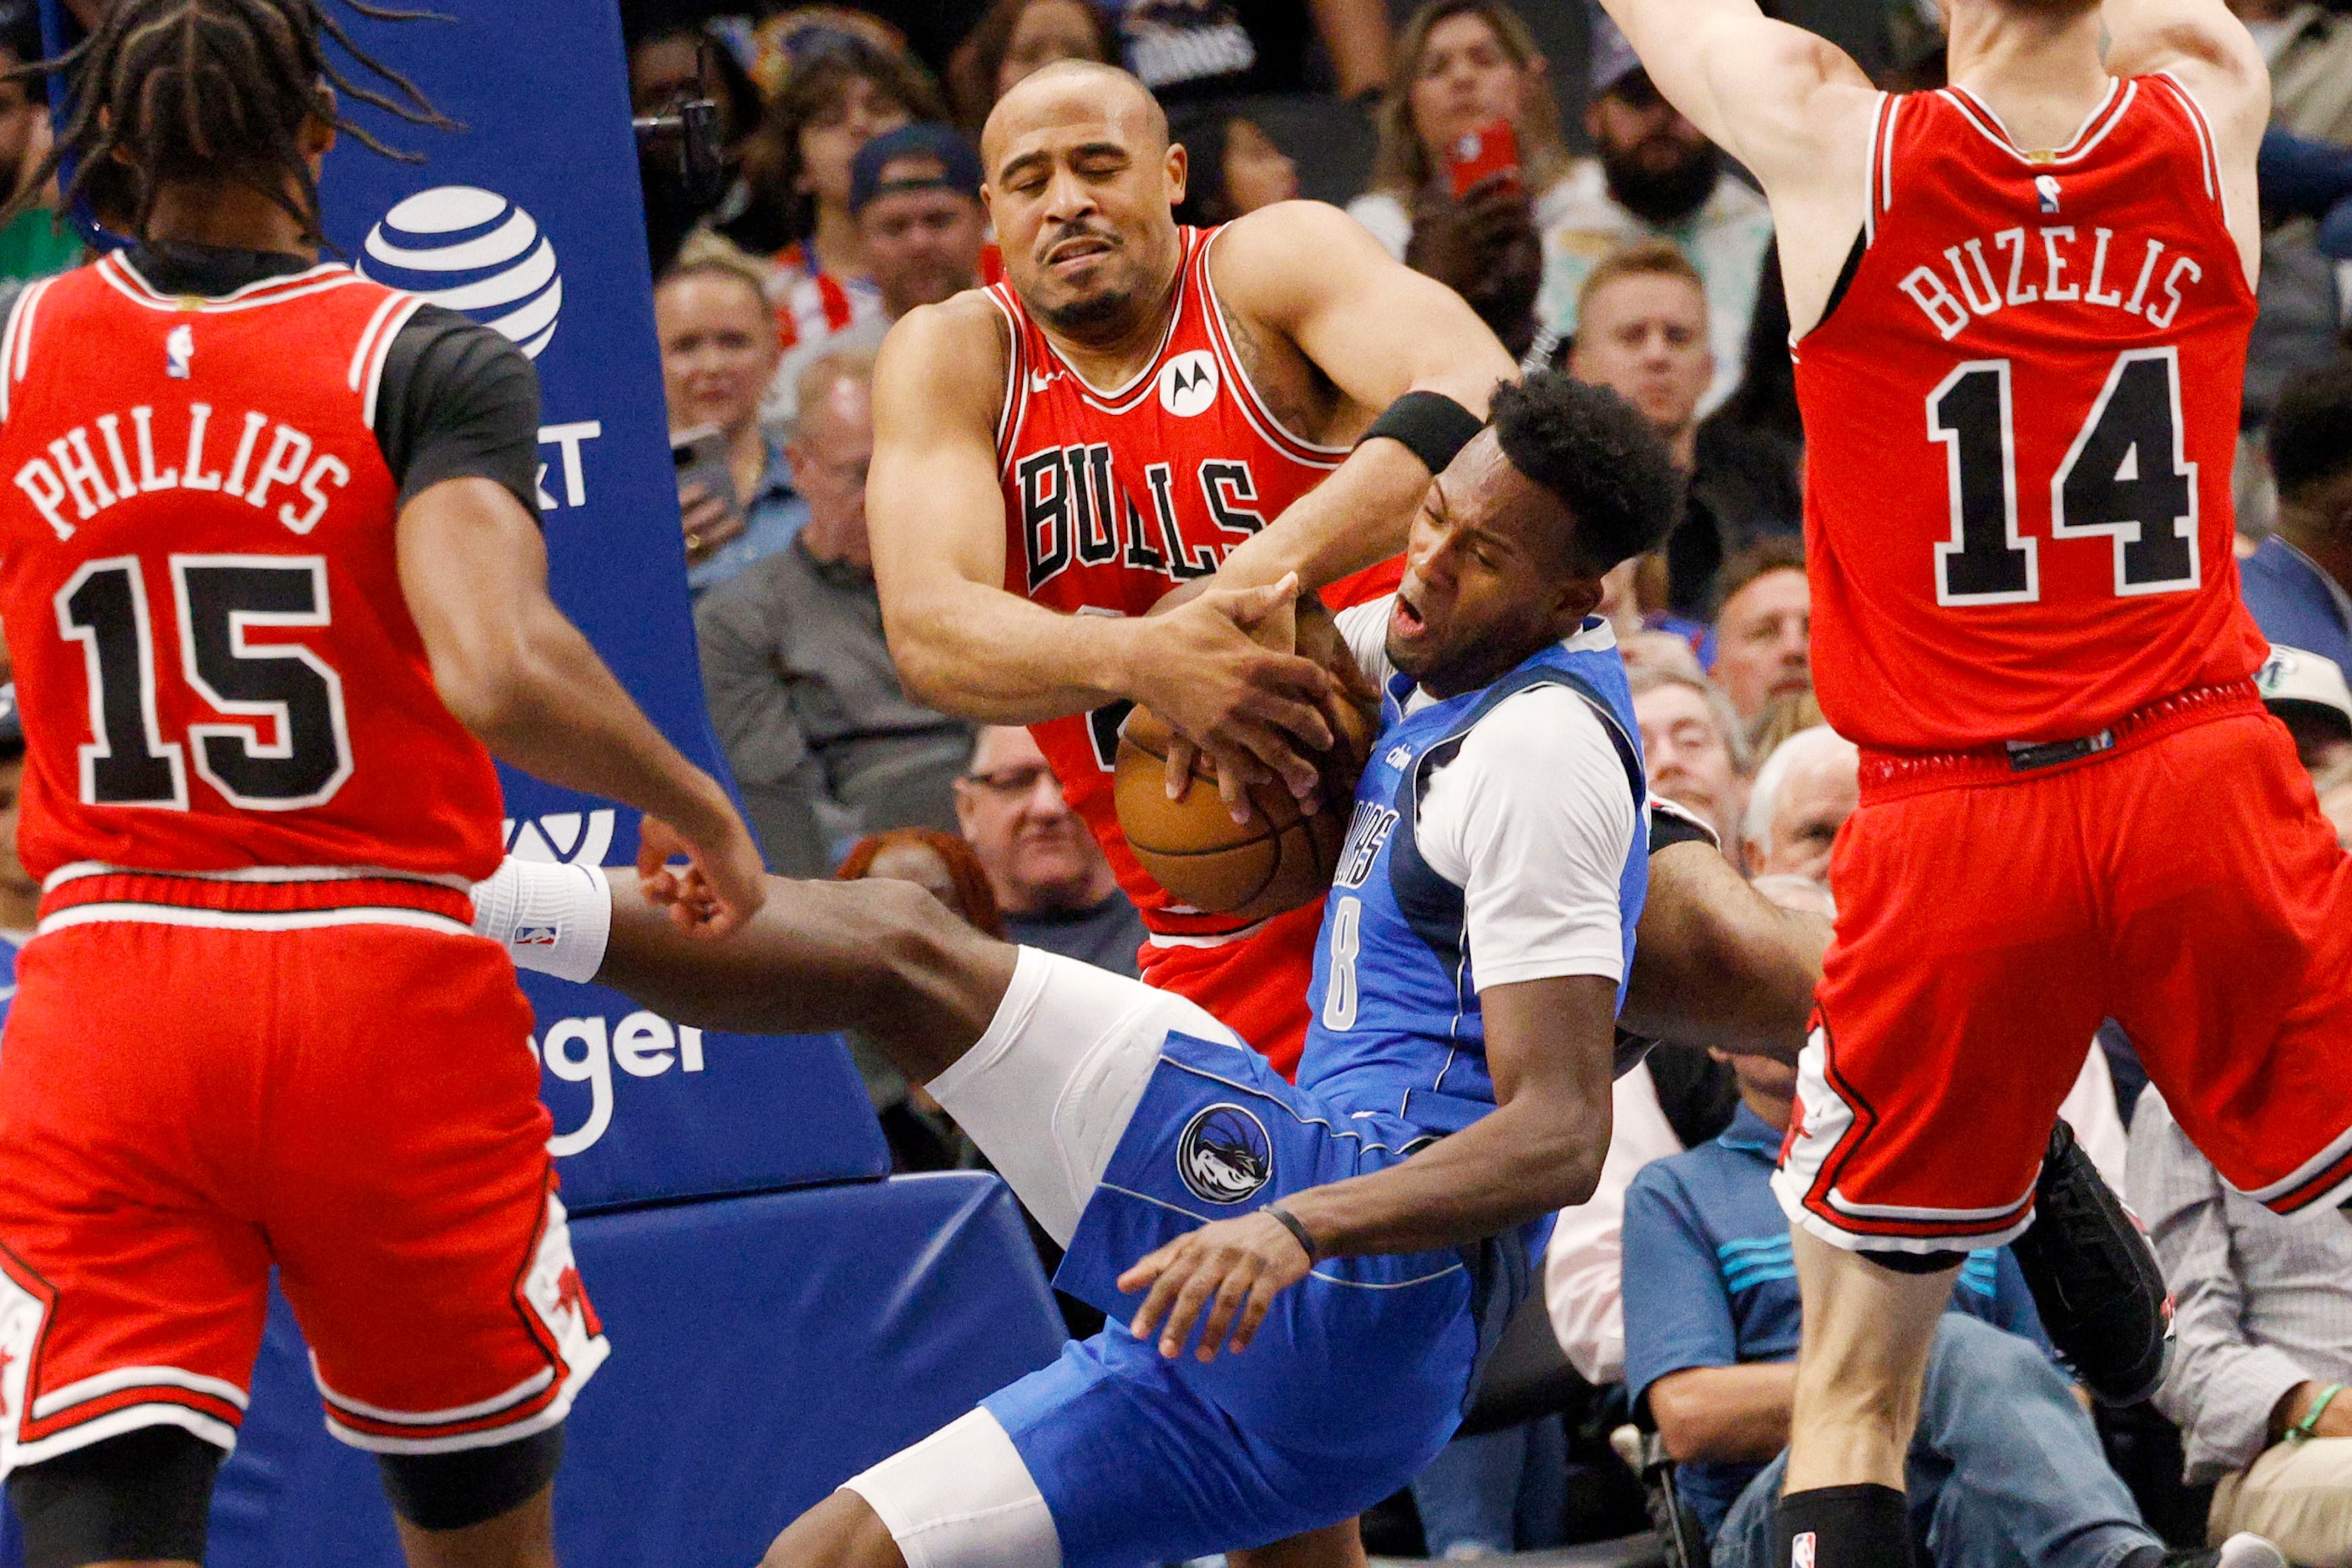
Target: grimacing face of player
pixel 1081 178
pixel 1486 579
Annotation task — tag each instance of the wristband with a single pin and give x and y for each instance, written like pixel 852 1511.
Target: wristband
pixel 555 919
pixel 2306 1429
pixel 1429 425
pixel 1296 1228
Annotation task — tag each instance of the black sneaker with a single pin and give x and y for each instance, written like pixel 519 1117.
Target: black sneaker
pixel 2095 1278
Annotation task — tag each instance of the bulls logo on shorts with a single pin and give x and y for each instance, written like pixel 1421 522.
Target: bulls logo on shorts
pixel 1225 1156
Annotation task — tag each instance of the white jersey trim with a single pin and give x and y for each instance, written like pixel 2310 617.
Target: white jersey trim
pixel 2208 150
pixel 125 280
pixel 123 1377
pixel 265 874
pixel 1127 394
pixel 248 919
pixel 527 1388
pixel 2086 137
pixel 130 1418
pixel 403 312
pixel 17 346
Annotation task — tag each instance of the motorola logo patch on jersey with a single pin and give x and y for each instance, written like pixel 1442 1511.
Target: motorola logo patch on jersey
pixel 180 352
pixel 1188 385
pixel 472 250
pixel 1224 1155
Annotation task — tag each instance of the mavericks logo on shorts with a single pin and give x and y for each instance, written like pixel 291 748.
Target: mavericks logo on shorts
pixel 1224 1155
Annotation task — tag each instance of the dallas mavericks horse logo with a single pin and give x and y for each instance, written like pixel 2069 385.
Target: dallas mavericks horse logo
pixel 1224 1155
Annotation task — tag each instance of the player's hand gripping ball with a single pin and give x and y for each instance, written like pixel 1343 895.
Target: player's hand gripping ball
pixel 1278 860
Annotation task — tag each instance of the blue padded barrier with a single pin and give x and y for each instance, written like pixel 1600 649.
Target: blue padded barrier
pixel 764 1350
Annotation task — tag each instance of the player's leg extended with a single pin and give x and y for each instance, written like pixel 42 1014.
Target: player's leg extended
pixel 1868 1331
pixel 1955 1014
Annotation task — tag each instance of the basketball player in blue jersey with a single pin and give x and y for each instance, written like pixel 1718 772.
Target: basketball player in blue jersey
pixel 1362 1236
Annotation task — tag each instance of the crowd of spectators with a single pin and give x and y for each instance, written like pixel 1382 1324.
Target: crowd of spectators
pixel 1620 244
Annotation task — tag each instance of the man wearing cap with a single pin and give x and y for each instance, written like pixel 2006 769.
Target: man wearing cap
pixel 2309 695
pixel 1653 176
pixel 915 195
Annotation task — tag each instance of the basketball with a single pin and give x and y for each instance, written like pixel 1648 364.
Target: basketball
pixel 1278 860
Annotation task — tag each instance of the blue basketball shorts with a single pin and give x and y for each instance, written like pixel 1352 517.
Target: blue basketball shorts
pixel 1359 1373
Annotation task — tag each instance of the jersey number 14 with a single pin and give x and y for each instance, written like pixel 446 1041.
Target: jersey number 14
pixel 2126 476
pixel 103 607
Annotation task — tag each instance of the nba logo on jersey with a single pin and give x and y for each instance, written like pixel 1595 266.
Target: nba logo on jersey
pixel 1801 1549
pixel 2046 188
pixel 1188 385
pixel 180 352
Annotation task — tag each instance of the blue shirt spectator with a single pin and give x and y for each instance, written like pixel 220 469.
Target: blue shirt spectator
pixel 1710 1281
pixel 2005 1469
pixel 772 516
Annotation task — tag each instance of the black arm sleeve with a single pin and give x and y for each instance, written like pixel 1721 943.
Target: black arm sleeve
pixel 459 401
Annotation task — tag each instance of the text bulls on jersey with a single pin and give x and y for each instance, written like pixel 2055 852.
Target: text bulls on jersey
pixel 100 465
pixel 1074 511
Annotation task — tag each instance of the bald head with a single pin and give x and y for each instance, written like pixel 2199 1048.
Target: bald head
pixel 1081 181
pixel 1071 92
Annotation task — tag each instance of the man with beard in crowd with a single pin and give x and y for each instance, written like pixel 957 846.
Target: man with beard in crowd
pixel 1654 178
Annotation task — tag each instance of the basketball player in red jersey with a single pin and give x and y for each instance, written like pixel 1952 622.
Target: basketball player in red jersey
pixel 2020 308
pixel 272 580
pixel 1136 405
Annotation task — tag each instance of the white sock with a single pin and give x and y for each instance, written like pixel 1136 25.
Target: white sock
pixel 555 919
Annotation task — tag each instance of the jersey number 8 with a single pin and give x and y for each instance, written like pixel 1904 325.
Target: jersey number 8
pixel 2126 476
pixel 103 607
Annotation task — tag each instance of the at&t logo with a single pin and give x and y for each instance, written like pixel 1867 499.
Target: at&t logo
pixel 561 837
pixel 471 250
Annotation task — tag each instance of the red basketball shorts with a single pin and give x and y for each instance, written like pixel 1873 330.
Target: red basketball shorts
pixel 1254 985
pixel 2184 884
pixel 190 1096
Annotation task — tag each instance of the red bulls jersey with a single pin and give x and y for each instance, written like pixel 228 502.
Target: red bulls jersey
pixel 1114 496
pixel 216 667
pixel 2020 419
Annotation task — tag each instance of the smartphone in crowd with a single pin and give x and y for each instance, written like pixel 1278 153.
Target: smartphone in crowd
pixel 699 455
pixel 1481 154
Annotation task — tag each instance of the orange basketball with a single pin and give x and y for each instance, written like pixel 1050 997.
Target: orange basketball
pixel 1278 860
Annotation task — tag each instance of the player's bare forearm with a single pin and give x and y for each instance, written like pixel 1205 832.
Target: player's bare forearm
pixel 879 956
pixel 1725 1414
pixel 1376 330
pixel 1716 964
pixel 520 677
pixel 1549 1046
pixel 982 654
pixel 1357 518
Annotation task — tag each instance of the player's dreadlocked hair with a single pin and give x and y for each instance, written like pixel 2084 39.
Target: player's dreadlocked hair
pixel 215 89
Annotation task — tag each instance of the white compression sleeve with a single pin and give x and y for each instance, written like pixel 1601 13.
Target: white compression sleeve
pixel 554 919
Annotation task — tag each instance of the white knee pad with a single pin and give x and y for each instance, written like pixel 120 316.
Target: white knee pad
pixel 962 1498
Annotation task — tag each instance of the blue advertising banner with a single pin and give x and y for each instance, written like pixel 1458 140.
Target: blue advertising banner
pixel 530 219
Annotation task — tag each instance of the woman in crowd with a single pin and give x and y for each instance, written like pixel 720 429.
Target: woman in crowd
pixel 1461 66
pixel 1235 166
pixel 1018 36
pixel 840 92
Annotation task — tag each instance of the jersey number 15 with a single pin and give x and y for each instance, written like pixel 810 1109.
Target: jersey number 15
pixel 2126 476
pixel 103 607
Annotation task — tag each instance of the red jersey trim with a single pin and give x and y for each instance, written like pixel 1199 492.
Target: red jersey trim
pixel 1253 406
pixel 1015 412
pixel 403 311
pixel 1878 172
pixel 2205 145
pixel 2094 129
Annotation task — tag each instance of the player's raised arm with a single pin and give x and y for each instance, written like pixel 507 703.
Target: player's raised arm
pixel 1377 330
pixel 2204 47
pixel 522 678
pixel 967 645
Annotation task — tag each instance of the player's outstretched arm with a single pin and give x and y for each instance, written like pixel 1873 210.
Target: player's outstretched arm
pixel 1550 1046
pixel 1310 273
pixel 966 646
pixel 522 678
pixel 1718 963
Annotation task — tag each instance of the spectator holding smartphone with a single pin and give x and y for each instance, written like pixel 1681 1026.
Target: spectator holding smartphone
pixel 1468 73
pixel 718 351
